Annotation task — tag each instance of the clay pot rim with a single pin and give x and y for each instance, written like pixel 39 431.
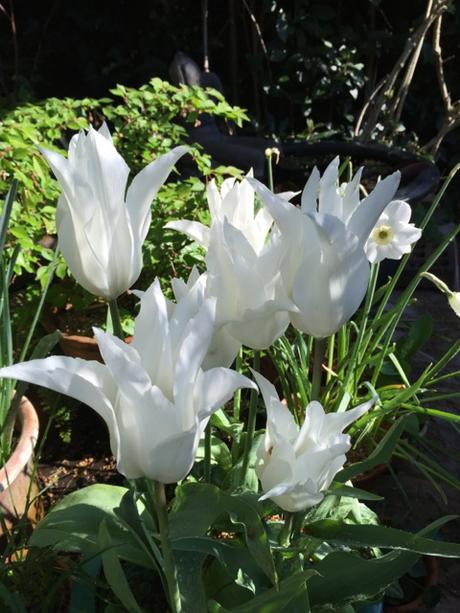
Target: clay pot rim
pixel 25 446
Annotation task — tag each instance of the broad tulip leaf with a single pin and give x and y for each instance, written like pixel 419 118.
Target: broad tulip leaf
pixel 189 565
pixel 341 533
pixel 113 570
pixel 345 577
pixel 232 555
pixel 381 454
pixel 73 524
pixel 199 505
pixel 220 453
pixel 353 492
pixel 273 600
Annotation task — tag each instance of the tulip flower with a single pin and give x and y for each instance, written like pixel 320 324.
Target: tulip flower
pixel 392 235
pixel 243 265
pixel 153 394
pixel 223 347
pixel 100 233
pixel 324 266
pixel 297 466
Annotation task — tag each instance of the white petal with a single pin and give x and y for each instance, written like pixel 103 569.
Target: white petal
pixel 87 381
pixel 60 167
pixel 124 363
pixel 351 196
pixel 214 200
pixel 285 214
pixel 335 423
pixel 398 210
pixel 108 172
pixel 74 245
pixel 172 459
pixel 369 210
pixel 330 202
pixel 144 188
pixel 105 132
pixel 215 387
pixel 310 192
pixel 330 295
pixel 152 339
pixel 277 413
pixel 194 229
pixel 196 341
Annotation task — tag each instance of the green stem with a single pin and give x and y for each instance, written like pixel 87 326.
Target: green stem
pixel 286 531
pixel 355 354
pixel 318 352
pixel 169 566
pixel 423 225
pixel 116 321
pixel 251 428
pixel 270 169
pixel 207 453
pixel 237 396
pixel 405 298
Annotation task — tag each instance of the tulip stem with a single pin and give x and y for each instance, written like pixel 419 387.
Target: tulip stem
pixel 286 530
pixel 169 566
pixel 207 453
pixel 318 353
pixel 251 428
pixel 116 321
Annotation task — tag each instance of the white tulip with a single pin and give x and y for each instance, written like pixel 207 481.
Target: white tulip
pixel 297 466
pixel 392 235
pixel 153 394
pixel 324 266
pixel 100 234
pixel 223 347
pixel 243 264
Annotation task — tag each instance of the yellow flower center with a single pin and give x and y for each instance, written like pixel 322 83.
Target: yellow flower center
pixel 383 235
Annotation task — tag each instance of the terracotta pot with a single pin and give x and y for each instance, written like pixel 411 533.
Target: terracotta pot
pixel 84 347
pixel 18 492
pixel 431 579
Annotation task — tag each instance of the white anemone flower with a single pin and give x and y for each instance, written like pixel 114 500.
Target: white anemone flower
pixel 296 466
pixel 101 226
pixel 392 235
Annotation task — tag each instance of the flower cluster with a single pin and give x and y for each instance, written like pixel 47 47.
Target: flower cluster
pixel 281 264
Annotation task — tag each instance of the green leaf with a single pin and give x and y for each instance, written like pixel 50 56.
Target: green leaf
pixel 113 570
pixel 385 537
pixel 189 566
pixel 345 577
pixel 352 492
pixel 381 454
pixel 273 600
pixel 73 524
pixel 197 507
pixel 220 453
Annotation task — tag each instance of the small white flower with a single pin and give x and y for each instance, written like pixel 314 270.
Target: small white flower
pixel 392 235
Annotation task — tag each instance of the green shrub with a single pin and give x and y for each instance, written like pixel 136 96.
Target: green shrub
pixel 145 123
